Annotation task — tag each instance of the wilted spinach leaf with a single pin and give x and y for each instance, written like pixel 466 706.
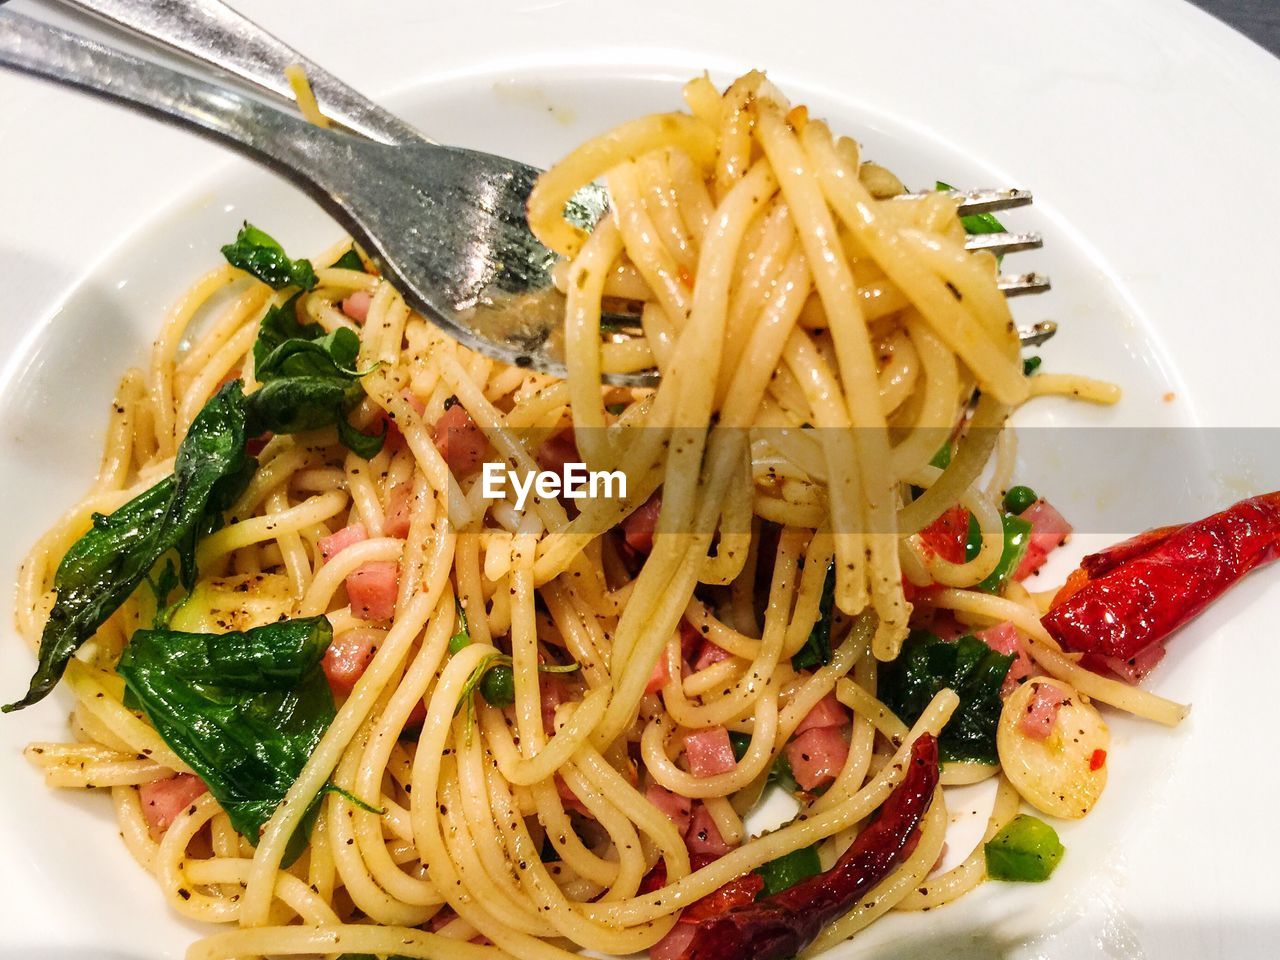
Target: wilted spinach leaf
pixel 244 710
pixel 308 379
pixel 109 562
pixel 968 666
pixel 258 253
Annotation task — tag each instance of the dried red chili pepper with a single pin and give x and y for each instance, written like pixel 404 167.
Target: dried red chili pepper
pixel 1139 591
pixel 738 891
pixel 1104 561
pixel 782 925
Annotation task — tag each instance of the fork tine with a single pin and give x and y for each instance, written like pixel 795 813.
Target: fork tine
pixel 1003 242
pixel 979 201
pixel 1019 284
pixel 1038 333
pixel 985 201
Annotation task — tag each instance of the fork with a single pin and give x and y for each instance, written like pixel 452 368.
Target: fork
pixel 446 225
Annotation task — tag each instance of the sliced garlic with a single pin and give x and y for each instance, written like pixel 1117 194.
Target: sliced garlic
pixel 1063 774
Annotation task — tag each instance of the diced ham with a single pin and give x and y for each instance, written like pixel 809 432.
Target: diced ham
pixel 557 451
pixel 163 800
pixel 554 692
pixel 703 836
pixel 1049 529
pixel 399 510
pixel 460 441
pixel 348 657
pixel 569 798
pixel 817 756
pixel 372 589
pixel 672 946
pixel 1130 671
pixel 417 716
pixel 255 445
pixel 441 920
pixel 679 810
pixel 661 674
pixel 1042 711
pixel 709 751
pixel 638 528
pixel 710 654
pixel 690 639
pixel 393 437
pixel 335 543
pixel 356 306
pixel 1003 638
pixel 827 712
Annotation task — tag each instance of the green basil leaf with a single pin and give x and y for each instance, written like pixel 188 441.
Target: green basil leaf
pixel 244 710
pixel 349 261
pixel 331 355
pixel 103 568
pixel 308 379
pixel 280 323
pixel 968 666
pixel 366 445
pixel 298 404
pixel 258 253
pixel 162 586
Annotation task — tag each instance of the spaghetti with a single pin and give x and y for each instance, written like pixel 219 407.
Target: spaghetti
pixel 819 339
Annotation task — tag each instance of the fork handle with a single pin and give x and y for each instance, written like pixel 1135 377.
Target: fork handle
pixel 213 33
pixel 282 141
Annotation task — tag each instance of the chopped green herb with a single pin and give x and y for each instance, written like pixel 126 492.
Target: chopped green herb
pixel 258 253
pixel 1027 850
pixel 968 666
pixel 741 743
pixel 1030 365
pixel 352 799
pixel 244 710
pixel 942 459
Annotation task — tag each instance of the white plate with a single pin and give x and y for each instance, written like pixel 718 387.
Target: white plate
pixel 1151 135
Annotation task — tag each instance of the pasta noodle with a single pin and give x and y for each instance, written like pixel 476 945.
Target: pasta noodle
pixel 819 339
